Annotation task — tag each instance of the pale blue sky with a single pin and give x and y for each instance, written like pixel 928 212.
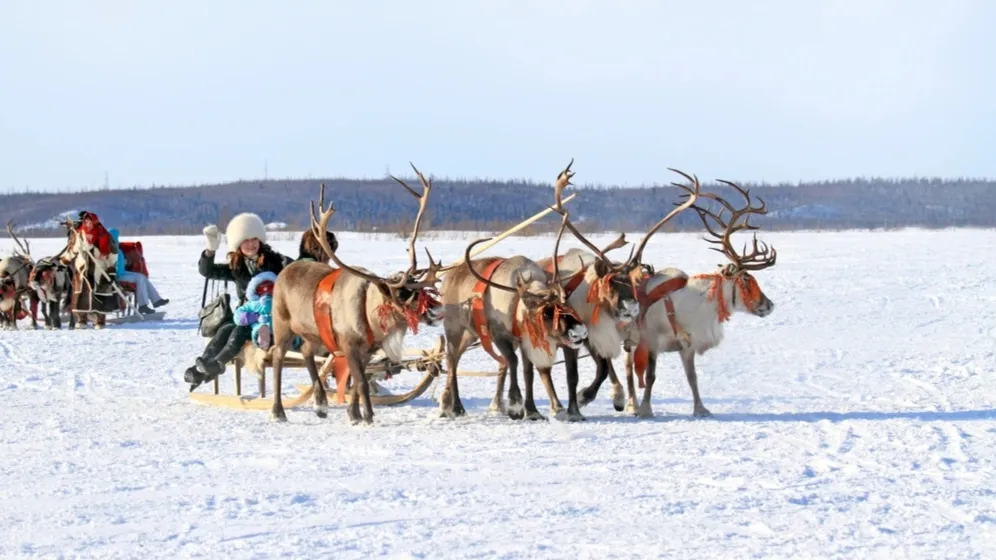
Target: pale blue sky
pixel 196 91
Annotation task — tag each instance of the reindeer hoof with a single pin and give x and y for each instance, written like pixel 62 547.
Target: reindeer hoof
pixel 497 405
pixel 575 417
pixel 535 415
pixel 278 416
pixel 583 399
pixel 702 412
pixel 645 413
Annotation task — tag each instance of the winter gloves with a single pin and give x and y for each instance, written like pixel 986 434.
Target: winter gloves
pixel 213 237
pixel 245 318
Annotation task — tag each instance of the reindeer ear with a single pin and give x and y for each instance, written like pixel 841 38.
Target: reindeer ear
pixel 601 269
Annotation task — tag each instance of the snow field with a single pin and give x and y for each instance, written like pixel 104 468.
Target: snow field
pixel 858 420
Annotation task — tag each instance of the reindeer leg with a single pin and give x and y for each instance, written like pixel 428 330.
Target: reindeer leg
pixel 571 363
pixel 630 386
pixel 617 393
pixel 277 412
pixel 507 351
pixel 318 388
pixel 498 403
pixel 361 386
pixel 688 362
pixel 555 405
pixel 527 378
pixel 33 301
pixel 457 342
pixel 645 410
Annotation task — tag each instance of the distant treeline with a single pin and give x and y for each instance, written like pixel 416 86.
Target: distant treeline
pixel 383 205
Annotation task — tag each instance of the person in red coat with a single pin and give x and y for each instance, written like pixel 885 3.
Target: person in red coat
pixel 95 233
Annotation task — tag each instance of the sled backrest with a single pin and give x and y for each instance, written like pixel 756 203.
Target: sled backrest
pixel 134 257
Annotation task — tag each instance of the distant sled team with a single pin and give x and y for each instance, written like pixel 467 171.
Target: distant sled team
pixel 346 325
pixel 93 276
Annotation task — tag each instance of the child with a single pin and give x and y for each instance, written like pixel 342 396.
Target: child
pixel 258 308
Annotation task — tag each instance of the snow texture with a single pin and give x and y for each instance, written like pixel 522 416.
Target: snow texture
pixel 857 421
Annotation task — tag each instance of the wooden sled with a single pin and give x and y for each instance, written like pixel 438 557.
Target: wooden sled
pixel 336 370
pixel 134 255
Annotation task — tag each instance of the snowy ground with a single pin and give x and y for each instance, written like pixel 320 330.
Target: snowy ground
pixel 859 420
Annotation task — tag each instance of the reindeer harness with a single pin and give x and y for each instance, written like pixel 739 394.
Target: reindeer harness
pixel 323 313
pixel 662 291
pixel 480 319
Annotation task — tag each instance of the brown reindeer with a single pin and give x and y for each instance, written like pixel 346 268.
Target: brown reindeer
pixel 686 315
pixel 351 310
pixel 605 294
pixel 507 303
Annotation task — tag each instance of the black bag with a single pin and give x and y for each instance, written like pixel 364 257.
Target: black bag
pixel 215 314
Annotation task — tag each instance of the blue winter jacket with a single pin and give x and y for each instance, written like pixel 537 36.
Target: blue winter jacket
pixel 256 311
pixel 120 268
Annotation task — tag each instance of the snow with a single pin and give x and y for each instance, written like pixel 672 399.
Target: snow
pixel 858 420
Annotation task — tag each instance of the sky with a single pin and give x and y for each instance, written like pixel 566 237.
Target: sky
pixel 200 91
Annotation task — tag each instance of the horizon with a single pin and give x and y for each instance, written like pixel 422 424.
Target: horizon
pixel 779 94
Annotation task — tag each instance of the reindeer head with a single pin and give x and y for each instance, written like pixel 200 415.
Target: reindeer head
pixel 744 292
pixel 411 293
pixel 545 308
pixel 615 286
pixel 47 275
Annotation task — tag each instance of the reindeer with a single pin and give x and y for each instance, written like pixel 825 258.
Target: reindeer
pixel 14 279
pixel 51 281
pixel 498 300
pixel 604 294
pixel 350 309
pixel 686 315
pixel 94 288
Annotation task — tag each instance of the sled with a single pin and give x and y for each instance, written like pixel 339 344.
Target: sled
pixel 128 312
pixel 134 257
pixel 333 371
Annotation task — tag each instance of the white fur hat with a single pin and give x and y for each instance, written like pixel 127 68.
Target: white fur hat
pixel 244 226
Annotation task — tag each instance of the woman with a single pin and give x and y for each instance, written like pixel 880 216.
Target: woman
pixel 248 256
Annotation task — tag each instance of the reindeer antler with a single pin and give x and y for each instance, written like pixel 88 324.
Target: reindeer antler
pixel 692 193
pixel 564 179
pixel 557 286
pixel 319 226
pixel 423 200
pixel 470 266
pixel 762 256
pixel 24 246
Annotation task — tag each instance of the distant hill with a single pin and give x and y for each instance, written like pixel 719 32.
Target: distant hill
pixel 367 205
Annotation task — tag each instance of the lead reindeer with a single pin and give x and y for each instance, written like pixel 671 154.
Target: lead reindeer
pixel 510 304
pixel 605 294
pixel 351 310
pixel 94 279
pixel 687 315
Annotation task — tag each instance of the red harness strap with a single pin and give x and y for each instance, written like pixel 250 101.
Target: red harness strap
pixel 323 312
pixel 323 319
pixel 478 316
pixel 641 356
